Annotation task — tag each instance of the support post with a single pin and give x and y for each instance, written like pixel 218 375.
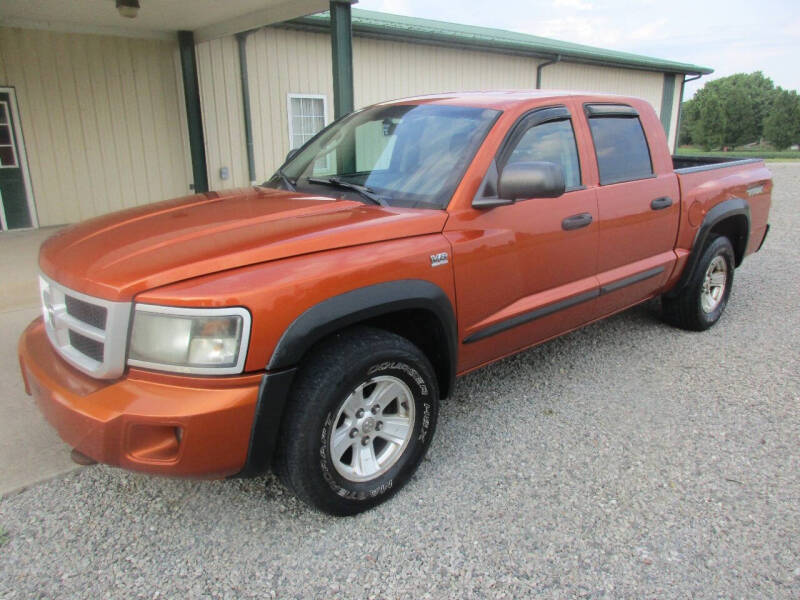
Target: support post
pixel 667 100
pixel 342 58
pixel 194 115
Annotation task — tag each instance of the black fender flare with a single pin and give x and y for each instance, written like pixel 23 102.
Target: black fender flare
pixel 322 320
pixel 357 306
pixel 724 210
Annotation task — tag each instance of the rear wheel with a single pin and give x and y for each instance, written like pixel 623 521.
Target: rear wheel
pixel 360 419
pixel 702 301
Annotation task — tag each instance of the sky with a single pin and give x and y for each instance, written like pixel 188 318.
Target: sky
pixel 730 36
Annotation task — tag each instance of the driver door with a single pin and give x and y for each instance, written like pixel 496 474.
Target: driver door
pixel 526 272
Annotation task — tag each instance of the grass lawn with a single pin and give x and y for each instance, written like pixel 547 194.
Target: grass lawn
pixel 768 155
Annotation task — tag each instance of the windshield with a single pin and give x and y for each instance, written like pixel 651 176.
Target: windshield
pixel 401 155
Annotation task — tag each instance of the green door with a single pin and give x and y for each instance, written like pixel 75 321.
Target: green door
pixel 13 196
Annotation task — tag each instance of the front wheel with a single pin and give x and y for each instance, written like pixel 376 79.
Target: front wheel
pixel 360 419
pixel 702 301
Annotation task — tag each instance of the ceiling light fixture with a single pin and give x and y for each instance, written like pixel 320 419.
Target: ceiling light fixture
pixel 128 8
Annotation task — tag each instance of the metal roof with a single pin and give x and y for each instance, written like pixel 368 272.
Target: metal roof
pixel 366 22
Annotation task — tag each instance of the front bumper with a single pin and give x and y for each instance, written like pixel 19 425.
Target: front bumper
pixel 171 425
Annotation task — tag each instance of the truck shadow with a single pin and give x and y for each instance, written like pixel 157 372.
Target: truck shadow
pixel 589 344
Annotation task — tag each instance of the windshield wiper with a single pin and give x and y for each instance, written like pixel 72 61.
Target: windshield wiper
pixel 286 181
pixel 361 189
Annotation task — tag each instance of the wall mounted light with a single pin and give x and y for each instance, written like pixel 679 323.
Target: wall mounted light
pixel 128 8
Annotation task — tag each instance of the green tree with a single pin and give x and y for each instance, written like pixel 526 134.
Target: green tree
pixel 709 129
pixel 748 98
pixel 743 101
pixel 782 124
pixel 689 116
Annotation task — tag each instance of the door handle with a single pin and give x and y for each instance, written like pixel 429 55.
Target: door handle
pixel 660 203
pixel 576 221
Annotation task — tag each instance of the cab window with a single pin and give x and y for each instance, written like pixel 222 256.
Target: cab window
pixel 621 147
pixel 552 141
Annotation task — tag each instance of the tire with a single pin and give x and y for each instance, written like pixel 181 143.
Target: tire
pixel 702 301
pixel 324 450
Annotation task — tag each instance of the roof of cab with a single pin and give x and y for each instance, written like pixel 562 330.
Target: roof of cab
pixel 501 99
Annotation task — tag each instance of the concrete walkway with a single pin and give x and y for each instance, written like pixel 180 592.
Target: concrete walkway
pixel 30 450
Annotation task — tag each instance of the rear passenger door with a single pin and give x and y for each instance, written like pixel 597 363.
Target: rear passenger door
pixel 638 209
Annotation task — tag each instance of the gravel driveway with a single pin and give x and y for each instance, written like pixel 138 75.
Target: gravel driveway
pixel 627 459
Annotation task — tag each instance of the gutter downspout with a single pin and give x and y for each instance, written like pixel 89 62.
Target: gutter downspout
pixel 241 39
pixel 539 69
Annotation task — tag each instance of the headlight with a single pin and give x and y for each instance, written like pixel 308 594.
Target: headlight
pixel 189 340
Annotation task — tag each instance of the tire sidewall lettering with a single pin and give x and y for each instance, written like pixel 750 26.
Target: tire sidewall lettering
pixel 405 368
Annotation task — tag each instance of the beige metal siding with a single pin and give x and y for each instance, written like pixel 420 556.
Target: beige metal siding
pixel 385 70
pixel 285 61
pixel 221 101
pixel 103 120
pixel 279 62
pixel 610 80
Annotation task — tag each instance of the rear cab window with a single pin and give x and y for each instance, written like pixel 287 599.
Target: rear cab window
pixel 619 142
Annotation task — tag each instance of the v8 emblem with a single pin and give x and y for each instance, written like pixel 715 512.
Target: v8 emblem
pixel 439 259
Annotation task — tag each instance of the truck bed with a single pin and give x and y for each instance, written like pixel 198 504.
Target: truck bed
pixel 708 181
pixel 692 164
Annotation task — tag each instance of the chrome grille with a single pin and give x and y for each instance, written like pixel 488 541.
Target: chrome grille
pixel 89 333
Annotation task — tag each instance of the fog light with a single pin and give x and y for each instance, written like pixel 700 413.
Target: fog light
pixel 154 443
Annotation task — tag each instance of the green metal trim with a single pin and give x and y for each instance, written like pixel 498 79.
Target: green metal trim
pixel 342 58
pixel 680 115
pixel 194 115
pixel 367 23
pixel 667 96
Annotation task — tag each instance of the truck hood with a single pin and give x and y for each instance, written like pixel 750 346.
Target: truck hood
pixel 121 254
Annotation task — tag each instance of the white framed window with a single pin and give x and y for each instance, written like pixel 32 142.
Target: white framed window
pixel 14 164
pixel 8 150
pixel 308 114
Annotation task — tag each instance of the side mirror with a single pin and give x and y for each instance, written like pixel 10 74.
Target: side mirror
pixel 292 153
pixel 521 180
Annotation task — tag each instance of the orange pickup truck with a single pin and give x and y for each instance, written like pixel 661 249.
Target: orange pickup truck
pixel 313 324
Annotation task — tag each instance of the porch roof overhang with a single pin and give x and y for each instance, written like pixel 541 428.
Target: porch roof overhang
pixel 208 19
